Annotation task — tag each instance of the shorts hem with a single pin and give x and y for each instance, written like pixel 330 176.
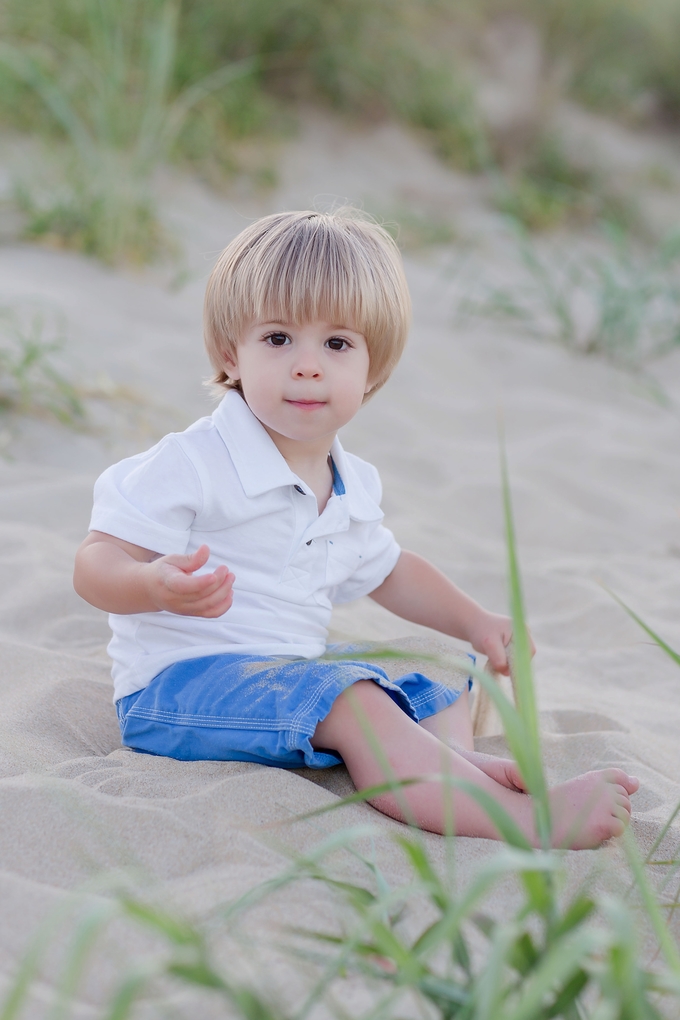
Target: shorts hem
pixel 158 719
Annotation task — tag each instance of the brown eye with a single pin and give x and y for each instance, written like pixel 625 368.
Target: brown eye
pixel 278 339
pixel 336 343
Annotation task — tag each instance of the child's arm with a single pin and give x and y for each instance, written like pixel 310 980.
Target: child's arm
pixel 120 577
pixel 417 591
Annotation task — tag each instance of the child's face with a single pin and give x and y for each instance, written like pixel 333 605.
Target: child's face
pixel 302 381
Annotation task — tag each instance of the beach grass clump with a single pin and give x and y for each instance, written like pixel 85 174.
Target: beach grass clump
pixel 31 381
pixel 414 228
pixel 550 191
pixel 108 91
pixel 622 302
pixel 119 87
pixel 618 56
pixel 432 944
pixel 369 58
pixel 116 88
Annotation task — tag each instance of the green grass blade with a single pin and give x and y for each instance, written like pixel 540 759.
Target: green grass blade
pixel 651 905
pixel 302 865
pixel 533 773
pixel 660 838
pixel 127 993
pixel 490 984
pixel 423 867
pixel 558 966
pixel 670 652
pixel 506 826
pixel 174 930
pixel 360 797
pixel 27 69
pixel 83 944
pixel 30 965
pixel 511 719
pixel 208 85
pixel 509 831
pixel 506 862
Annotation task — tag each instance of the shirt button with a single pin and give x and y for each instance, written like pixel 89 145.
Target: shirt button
pixel 298 488
pixel 308 543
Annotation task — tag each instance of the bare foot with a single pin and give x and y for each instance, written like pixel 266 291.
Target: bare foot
pixel 591 808
pixel 503 770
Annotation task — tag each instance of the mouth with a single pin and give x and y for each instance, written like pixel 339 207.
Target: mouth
pixel 307 405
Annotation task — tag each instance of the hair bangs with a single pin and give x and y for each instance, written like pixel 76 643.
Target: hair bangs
pixel 305 267
pixel 318 280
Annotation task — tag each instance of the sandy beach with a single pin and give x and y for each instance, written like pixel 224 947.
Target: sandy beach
pixel 594 461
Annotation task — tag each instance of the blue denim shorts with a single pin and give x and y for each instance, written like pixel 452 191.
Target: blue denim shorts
pixel 251 708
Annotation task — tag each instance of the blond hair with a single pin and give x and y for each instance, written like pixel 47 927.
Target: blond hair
pixel 339 267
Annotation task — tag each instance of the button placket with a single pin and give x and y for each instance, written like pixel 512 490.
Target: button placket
pixel 300 566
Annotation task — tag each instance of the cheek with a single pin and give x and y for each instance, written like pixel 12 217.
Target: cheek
pixel 357 380
pixel 353 394
pixel 257 373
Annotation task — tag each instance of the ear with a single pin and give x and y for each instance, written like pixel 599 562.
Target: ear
pixel 230 366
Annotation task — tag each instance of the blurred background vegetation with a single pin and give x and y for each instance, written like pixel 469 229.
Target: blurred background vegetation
pixel 112 89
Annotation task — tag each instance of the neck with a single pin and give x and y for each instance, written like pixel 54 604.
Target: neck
pixel 302 457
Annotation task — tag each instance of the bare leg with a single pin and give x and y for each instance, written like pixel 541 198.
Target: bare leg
pixel 453 726
pixel 586 810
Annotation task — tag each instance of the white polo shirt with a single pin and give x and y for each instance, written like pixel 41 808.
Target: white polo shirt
pixel 224 483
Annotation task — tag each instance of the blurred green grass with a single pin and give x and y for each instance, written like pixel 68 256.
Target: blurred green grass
pixel 621 302
pixel 31 381
pixel 124 68
pixel 565 949
pixel 409 58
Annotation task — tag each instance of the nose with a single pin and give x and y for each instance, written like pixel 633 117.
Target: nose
pixel 307 366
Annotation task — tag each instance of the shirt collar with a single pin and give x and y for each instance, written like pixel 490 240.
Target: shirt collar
pixel 360 505
pixel 258 463
pixel 261 467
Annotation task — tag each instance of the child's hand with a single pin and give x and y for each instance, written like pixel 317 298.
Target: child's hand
pixel 491 636
pixel 171 585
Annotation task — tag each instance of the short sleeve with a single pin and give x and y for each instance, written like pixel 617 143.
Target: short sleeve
pixel 376 562
pixel 150 500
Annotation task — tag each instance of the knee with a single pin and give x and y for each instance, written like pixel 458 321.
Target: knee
pixel 350 709
pixel 363 692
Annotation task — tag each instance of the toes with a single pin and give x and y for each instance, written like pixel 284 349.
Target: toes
pixel 618 777
pixel 619 826
pixel 621 799
pixel 614 775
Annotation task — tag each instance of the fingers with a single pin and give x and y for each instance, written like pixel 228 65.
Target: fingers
pixel 194 586
pixel 497 654
pixel 210 606
pixel 492 635
pixel 209 597
pixel 190 562
pixel 178 589
pixel 507 641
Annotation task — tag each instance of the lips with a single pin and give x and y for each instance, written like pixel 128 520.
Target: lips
pixel 307 404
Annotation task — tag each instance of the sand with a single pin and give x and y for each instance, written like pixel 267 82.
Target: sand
pixel 594 459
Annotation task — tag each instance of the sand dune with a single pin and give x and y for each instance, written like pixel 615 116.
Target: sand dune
pixel 595 471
